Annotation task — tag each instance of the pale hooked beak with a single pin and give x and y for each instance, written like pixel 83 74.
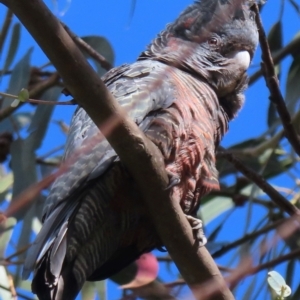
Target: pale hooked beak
pixel 242 58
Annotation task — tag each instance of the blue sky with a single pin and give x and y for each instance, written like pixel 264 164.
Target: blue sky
pixel 130 36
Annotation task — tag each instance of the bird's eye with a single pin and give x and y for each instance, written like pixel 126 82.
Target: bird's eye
pixel 213 41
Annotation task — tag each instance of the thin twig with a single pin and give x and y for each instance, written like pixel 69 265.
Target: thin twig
pixel 292 48
pixel 86 47
pixel 36 90
pixel 17 253
pixel 5 27
pixel 246 238
pixel 246 268
pixel 282 202
pixel 273 85
pixel 18 293
pixel 175 283
pixel 12 287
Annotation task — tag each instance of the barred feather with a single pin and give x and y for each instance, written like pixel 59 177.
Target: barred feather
pixel 182 92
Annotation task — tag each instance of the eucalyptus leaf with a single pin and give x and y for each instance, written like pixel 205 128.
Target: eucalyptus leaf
pixel 41 118
pixel 212 209
pixel 19 79
pixel 13 46
pixel 6 230
pixel 25 237
pixel 88 291
pixel 6 182
pixel 275 37
pixel 102 46
pixel 101 288
pixel 292 85
pixel 23 95
pixel 4 294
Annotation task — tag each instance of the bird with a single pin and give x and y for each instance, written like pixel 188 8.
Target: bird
pixel 182 91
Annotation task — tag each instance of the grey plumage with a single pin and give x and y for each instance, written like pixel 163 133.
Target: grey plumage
pixel 182 92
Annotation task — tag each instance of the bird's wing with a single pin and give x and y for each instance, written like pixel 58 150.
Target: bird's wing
pixel 139 88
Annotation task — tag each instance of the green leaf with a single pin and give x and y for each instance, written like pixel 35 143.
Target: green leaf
pixel 272 116
pixel 41 118
pixel 275 37
pixel 23 95
pixel 6 229
pixel 4 294
pixel 13 47
pixel 24 169
pixel 23 151
pixel 24 238
pixel 18 80
pixel 88 291
pixel 19 119
pixel 102 46
pixel 6 182
pixel 214 208
pixel 20 74
pixel 292 85
pixel 101 288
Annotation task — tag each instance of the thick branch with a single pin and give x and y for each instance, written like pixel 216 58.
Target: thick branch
pixel 273 85
pixel 140 156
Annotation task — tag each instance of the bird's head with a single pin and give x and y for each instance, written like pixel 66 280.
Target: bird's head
pixel 212 39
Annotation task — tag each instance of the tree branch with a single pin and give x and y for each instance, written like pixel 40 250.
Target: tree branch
pixel 36 90
pixel 85 46
pixel 292 48
pixel 140 156
pixel 273 85
pixel 282 202
pixel 246 238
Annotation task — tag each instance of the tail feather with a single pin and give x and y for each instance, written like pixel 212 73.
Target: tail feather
pixel 92 236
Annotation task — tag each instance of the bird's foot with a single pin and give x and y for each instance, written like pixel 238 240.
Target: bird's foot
pixel 173 180
pixel 197 227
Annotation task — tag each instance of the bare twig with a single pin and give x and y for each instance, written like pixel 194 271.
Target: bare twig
pixel 175 283
pixel 273 85
pixel 36 90
pixel 18 293
pixel 292 48
pixel 5 27
pixel 37 101
pixel 246 268
pixel 12 287
pixel 17 253
pixel 282 202
pixel 246 238
pixel 86 47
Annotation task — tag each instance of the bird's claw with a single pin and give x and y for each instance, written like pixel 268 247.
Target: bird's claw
pixel 197 227
pixel 173 180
